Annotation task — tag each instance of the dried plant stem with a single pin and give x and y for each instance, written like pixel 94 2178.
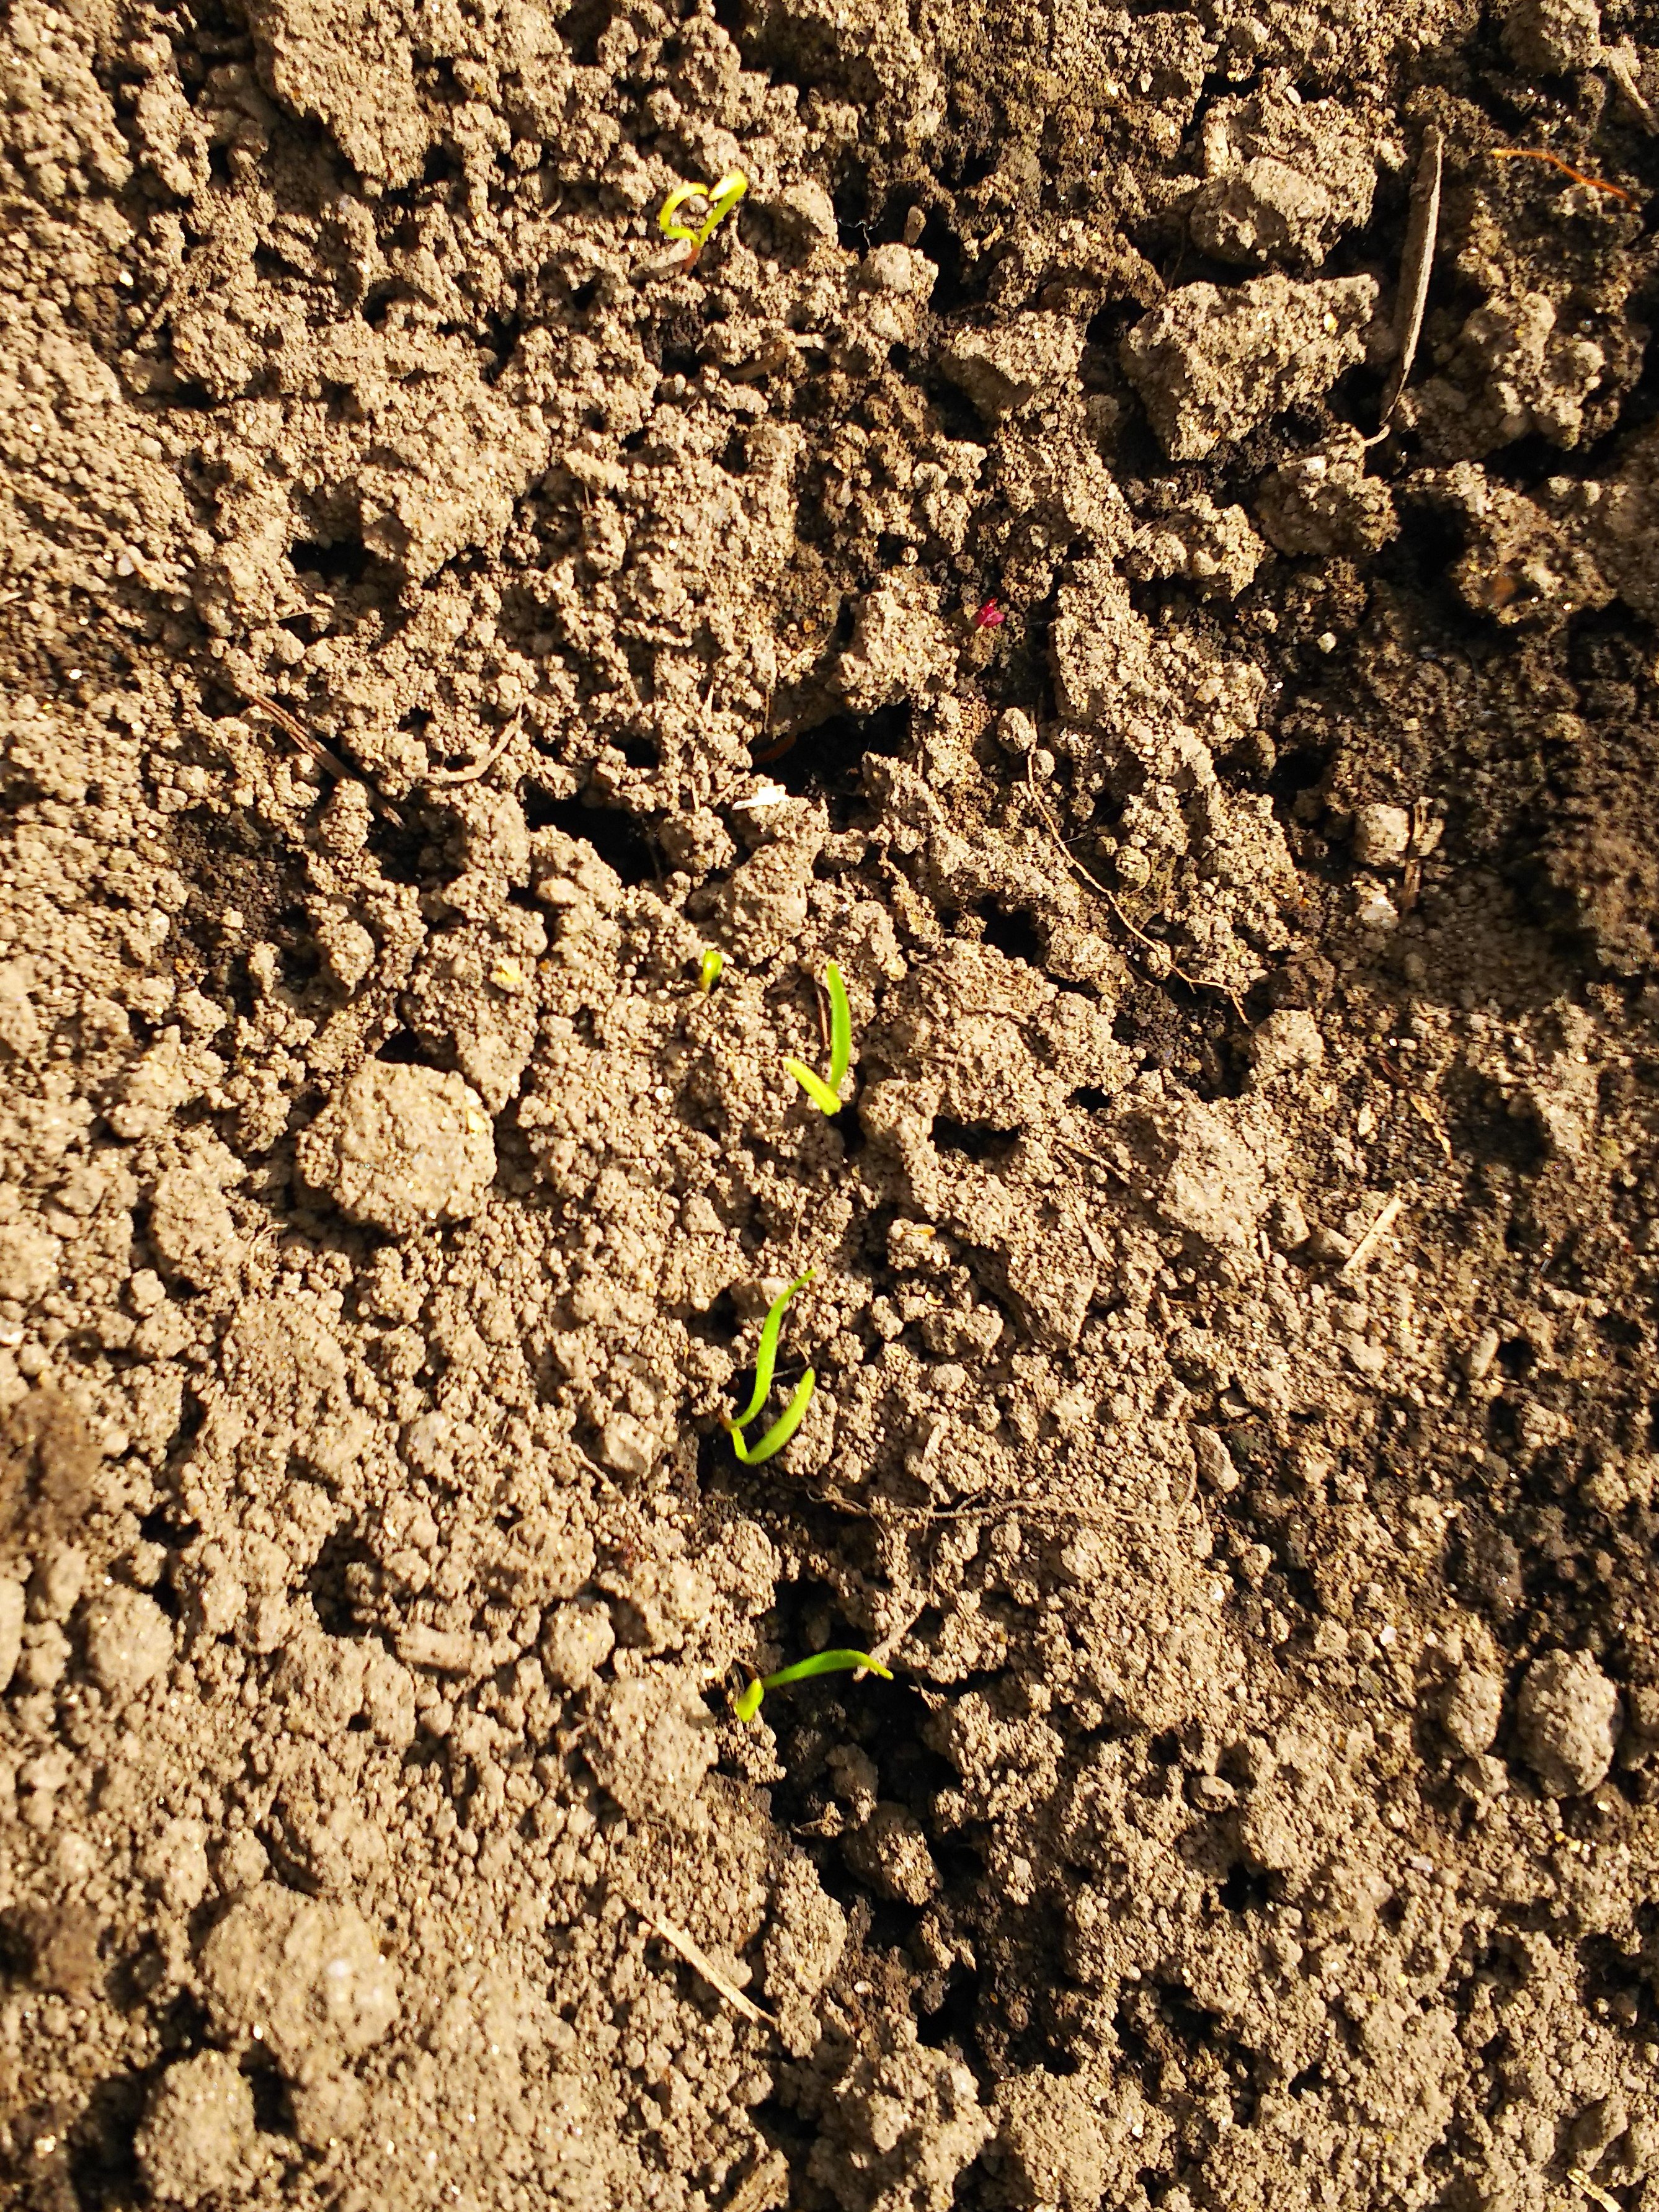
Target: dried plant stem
pixel 1415 269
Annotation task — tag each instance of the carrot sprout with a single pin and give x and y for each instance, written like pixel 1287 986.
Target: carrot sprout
pixel 826 1096
pixel 765 1360
pixel 747 1704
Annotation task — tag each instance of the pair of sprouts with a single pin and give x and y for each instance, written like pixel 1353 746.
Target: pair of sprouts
pixel 747 1704
pixel 826 1096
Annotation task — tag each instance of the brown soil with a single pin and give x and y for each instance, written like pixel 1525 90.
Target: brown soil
pixel 432 615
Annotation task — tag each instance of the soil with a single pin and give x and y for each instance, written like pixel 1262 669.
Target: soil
pixel 433 615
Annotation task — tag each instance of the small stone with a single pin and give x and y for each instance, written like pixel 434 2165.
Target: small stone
pixel 128 1641
pixel 898 269
pixel 45 1657
pixel 1265 211
pixel 807 211
pixel 1547 38
pixel 1216 1465
pixel 53 1947
pixel 175 1864
pixel 1478 1359
pixel 1325 503
pixel 1287 1043
pixel 1212 363
pixel 56 1585
pixel 1205 1179
pixel 29 1259
pixel 890 1853
pixel 1470 1706
pixel 576 1641
pixel 651 1743
pixel 1482 1777
pixel 11 1628
pixel 191 1228
pixel 626 1447
pixel 1051 2144
pixel 400 1148
pixel 305 1973
pixel 1036 356
pixel 1375 909
pixel 1382 835
pixel 331 2111
pixel 1567 1719
pixel 198 2139
pixel 1287 1224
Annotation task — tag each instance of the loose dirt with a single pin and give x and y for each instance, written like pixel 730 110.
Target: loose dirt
pixel 433 614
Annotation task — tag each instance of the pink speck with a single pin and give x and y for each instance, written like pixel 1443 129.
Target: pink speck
pixel 990 617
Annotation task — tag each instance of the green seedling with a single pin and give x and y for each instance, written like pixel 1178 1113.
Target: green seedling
pixel 747 1704
pixel 722 197
pixel 766 1359
pixel 708 969
pixel 827 1096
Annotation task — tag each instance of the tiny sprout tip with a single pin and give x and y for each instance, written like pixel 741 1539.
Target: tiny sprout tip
pixel 708 969
pixel 747 1702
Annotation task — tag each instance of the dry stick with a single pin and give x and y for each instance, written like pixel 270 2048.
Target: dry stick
pixel 1620 63
pixel 696 1957
pixel 766 2184
pixel 446 780
pixel 1415 268
pixel 1378 1229
pixel 320 753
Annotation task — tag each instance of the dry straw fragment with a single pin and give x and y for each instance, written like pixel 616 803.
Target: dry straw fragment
pixel 1415 269
pixel 699 1960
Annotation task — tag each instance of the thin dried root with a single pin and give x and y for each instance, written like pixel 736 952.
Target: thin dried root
pixel 1537 154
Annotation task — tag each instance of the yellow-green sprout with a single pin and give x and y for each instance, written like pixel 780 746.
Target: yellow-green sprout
pixel 766 1359
pixel 708 969
pixel 722 197
pixel 747 1702
pixel 827 1096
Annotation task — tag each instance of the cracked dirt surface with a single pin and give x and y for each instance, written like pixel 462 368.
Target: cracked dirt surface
pixel 432 615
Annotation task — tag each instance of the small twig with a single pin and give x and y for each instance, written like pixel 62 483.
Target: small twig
pixel 699 1960
pixel 765 2186
pixel 1620 63
pixel 1100 890
pixel 894 1637
pixel 1373 1237
pixel 1594 2190
pixel 1431 1125
pixel 446 778
pixel 1416 266
pixel 320 753
pixel 1093 1159
pixel 1537 154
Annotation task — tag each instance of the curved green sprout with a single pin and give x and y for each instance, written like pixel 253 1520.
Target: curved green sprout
pixel 827 1096
pixel 722 197
pixel 765 1360
pixel 781 1429
pixel 708 969
pixel 747 1702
